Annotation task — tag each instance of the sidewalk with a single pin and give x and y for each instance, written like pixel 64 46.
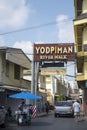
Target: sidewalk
pixel 42 114
pixel 82 117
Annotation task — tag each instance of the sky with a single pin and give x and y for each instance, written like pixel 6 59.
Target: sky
pixel 24 22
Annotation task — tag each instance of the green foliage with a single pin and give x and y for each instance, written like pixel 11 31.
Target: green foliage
pixel 61 98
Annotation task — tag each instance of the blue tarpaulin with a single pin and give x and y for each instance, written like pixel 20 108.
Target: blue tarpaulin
pixel 25 95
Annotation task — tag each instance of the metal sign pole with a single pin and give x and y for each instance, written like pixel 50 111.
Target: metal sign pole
pixel 33 75
pixel 36 77
pixel 35 80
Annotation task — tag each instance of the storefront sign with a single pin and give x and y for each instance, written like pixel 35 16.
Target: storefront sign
pixel 53 52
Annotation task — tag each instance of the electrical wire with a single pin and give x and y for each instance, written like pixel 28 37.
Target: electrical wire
pixel 34 27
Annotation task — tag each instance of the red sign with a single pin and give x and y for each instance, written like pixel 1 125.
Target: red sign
pixel 54 52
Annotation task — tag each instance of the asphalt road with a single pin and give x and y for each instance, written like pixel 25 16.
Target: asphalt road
pixel 51 123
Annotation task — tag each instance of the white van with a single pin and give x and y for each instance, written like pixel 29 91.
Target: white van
pixel 63 108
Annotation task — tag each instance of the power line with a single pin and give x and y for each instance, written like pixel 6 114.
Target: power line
pixel 29 28
pixel 34 27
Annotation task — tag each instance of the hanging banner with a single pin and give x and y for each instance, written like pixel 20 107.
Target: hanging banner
pixel 54 52
pixel 53 71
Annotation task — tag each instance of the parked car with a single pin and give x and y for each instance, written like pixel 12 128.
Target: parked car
pixel 2 116
pixel 64 108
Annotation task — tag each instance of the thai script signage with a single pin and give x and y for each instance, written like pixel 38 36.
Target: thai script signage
pixel 54 52
pixel 53 71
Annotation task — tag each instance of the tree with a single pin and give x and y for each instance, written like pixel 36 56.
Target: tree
pixel 61 98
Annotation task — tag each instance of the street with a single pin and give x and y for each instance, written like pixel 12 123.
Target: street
pixel 51 123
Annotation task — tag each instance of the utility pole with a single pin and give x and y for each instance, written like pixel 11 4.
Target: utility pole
pixel 35 72
pixel 33 75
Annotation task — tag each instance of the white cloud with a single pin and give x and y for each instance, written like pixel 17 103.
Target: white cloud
pixel 26 46
pixel 65 29
pixel 13 13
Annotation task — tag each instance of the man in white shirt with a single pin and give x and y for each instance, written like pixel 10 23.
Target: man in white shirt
pixel 76 107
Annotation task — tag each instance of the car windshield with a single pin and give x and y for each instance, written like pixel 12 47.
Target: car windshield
pixel 64 104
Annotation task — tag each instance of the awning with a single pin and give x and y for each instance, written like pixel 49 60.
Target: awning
pixel 25 95
pixel 13 88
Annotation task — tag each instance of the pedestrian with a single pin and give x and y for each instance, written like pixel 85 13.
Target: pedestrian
pixel 76 108
pixel 9 111
pixel 21 106
pixel 47 107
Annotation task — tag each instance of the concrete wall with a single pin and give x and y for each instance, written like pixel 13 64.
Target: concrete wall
pixel 84 6
pixel 7 78
pixel 85 101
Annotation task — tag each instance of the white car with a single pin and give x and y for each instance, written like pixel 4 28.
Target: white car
pixel 2 116
pixel 64 108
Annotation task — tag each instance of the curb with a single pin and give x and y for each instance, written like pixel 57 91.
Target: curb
pixel 44 114
pixel 41 114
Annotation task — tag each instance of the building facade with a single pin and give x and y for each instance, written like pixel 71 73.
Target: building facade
pixel 12 63
pixel 80 30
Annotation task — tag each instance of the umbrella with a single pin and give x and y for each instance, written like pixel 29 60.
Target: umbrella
pixel 25 95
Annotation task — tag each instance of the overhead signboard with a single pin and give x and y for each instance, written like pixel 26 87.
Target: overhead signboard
pixel 54 52
pixel 53 71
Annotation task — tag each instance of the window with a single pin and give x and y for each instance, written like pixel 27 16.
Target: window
pixel 64 103
pixel 7 68
pixel 16 71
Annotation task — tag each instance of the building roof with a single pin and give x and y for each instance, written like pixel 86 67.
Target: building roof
pixel 16 56
pixel 82 16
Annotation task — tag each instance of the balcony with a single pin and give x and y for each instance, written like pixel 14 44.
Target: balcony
pixel 81 54
pixel 25 84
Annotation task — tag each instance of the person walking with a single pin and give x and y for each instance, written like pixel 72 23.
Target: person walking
pixel 47 107
pixel 76 108
pixel 9 112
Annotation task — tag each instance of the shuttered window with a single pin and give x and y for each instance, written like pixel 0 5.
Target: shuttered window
pixel 7 68
pixel 16 71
